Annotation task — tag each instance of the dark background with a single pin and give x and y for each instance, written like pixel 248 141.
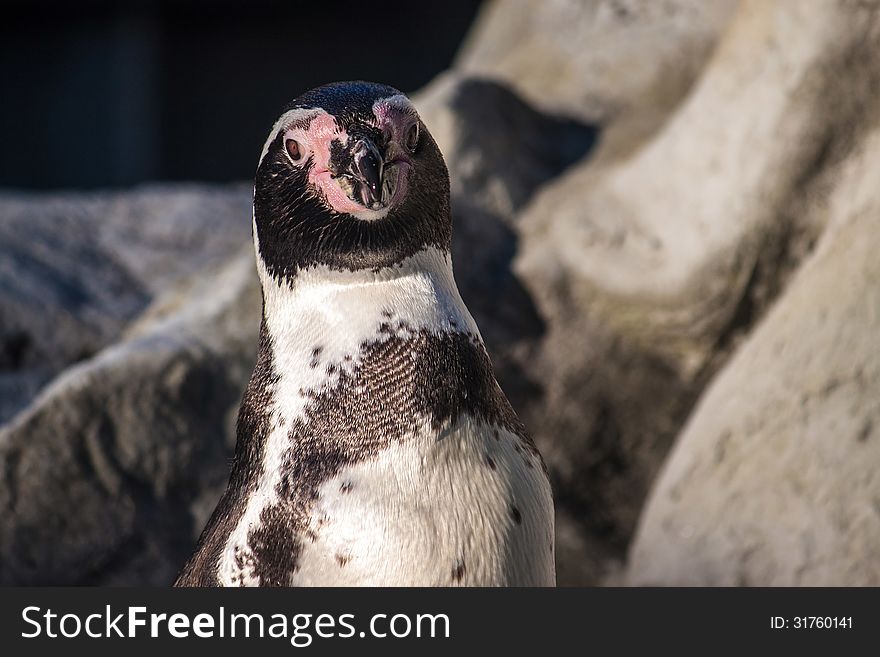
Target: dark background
pixel 102 94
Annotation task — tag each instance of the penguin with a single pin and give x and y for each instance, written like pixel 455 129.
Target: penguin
pixel 374 445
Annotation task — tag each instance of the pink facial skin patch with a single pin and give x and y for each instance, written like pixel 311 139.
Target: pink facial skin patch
pixel 322 130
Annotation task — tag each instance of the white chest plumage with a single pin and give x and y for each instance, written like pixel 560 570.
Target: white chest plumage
pixel 458 508
pixel 372 472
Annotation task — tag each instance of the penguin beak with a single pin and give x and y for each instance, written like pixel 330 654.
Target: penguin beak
pixel 362 173
pixel 367 165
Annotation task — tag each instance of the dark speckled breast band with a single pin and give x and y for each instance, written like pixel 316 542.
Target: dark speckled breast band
pixel 399 380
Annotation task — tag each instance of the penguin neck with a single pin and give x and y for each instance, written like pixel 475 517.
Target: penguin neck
pixel 333 313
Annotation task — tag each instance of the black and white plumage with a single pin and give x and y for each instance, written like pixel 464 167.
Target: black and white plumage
pixel 375 446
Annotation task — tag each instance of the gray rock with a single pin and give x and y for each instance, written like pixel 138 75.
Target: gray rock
pixel 627 62
pixel 650 269
pixel 774 481
pixel 76 267
pixel 498 147
pixel 101 471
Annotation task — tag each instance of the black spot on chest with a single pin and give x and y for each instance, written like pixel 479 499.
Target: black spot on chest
pixel 316 357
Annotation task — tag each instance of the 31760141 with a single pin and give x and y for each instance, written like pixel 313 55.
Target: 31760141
pixel 811 622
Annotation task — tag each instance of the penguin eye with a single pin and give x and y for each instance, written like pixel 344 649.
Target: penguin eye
pixel 412 138
pixel 294 149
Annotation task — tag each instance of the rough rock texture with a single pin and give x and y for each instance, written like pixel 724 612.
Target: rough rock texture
pixel 99 472
pixel 775 479
pixel 498 147
pixel 623 61
pixel 103 475
pixel 76 267
pixel 649 270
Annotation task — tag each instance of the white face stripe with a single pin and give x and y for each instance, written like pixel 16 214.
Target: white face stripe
pixel 398 102
pixel 285 121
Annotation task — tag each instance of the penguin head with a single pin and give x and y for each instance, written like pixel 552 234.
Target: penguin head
pixel 349 178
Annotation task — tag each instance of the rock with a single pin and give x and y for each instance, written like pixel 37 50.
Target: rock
pixel 76 267
pixel 606 61
pixel 105 472
pixel 774 480
pixel 648 270
pixel 499 148
pixel 642 232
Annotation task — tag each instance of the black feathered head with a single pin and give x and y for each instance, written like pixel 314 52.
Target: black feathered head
pixel 350 179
